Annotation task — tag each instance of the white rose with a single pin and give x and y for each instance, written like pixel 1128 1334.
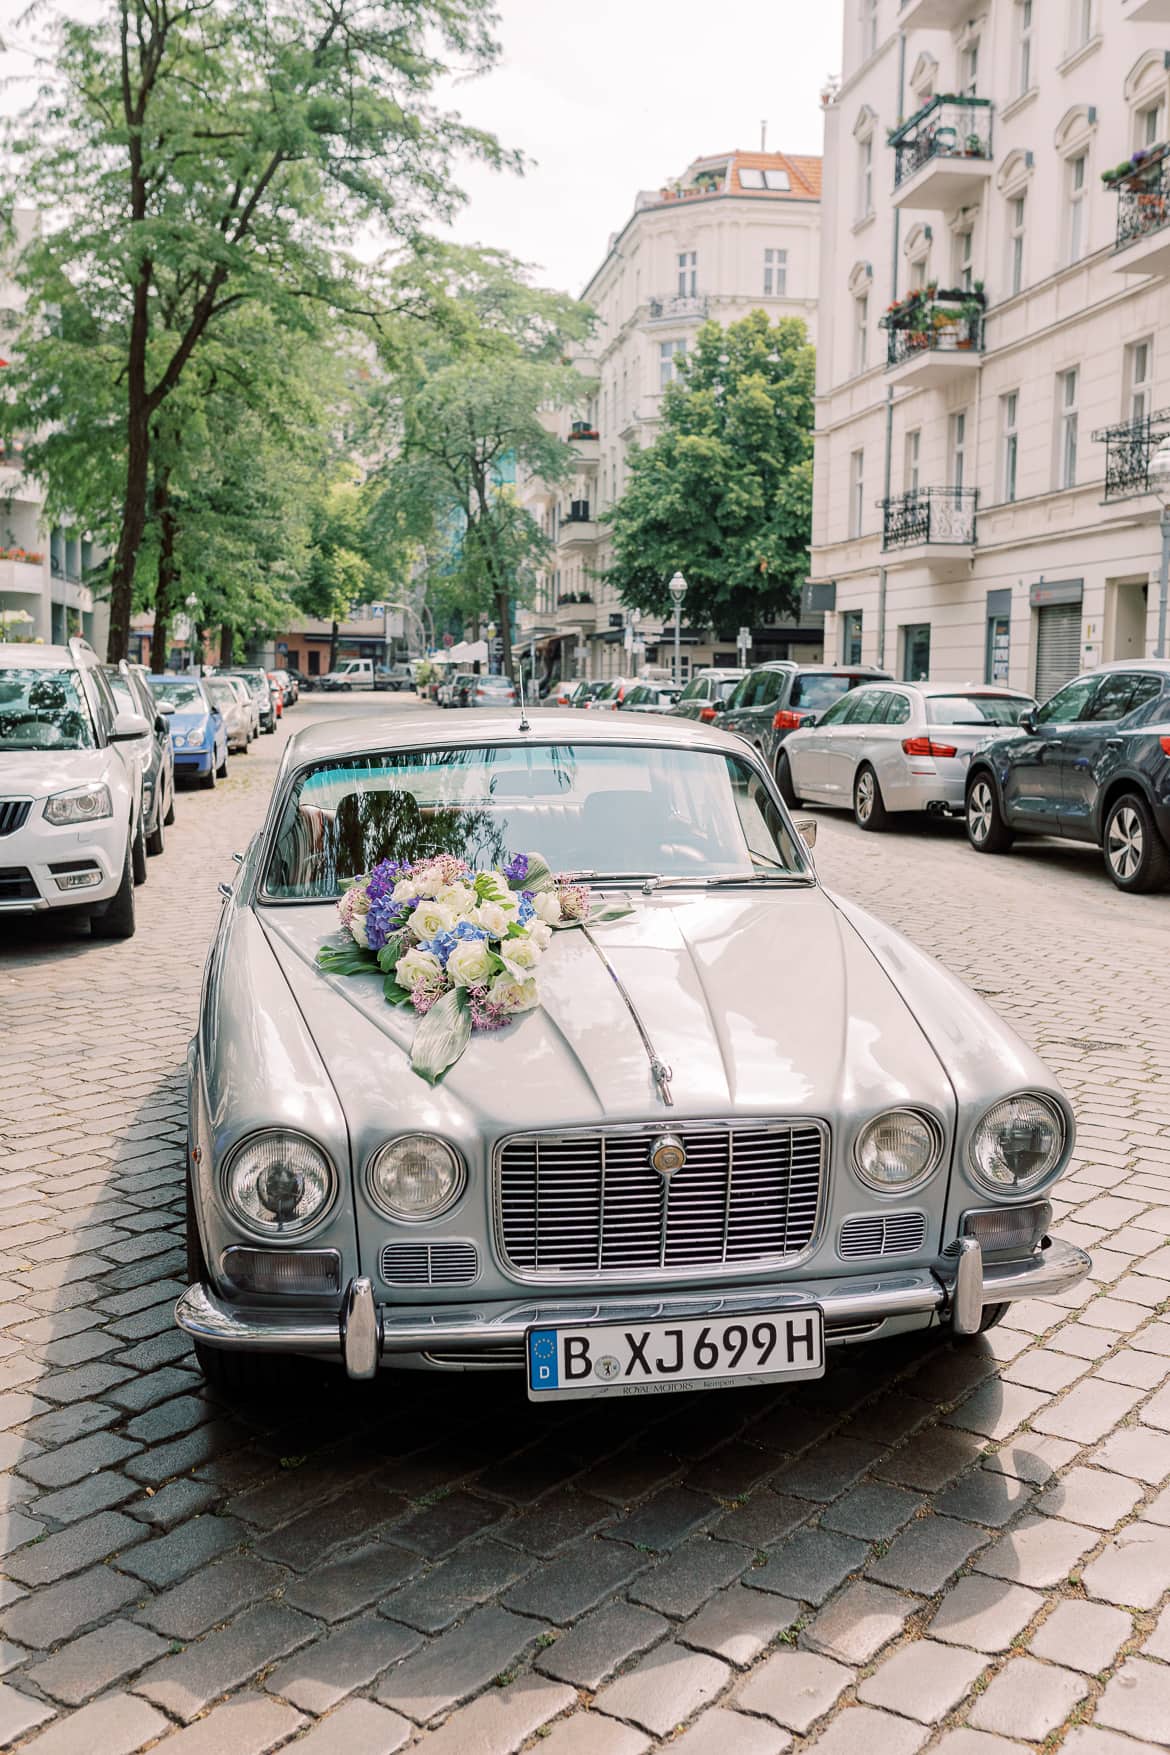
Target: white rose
pixel 428 918
pixel 428 883
pixel 418 965
pixel 520 956
pixel 540 934
pixel 547 905
pixel 406 890
pixel 458 897
pixel 514 996
pixel 493 918
pixel 470 962
pixel 357 927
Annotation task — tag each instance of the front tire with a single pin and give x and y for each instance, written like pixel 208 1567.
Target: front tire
pixel 156 840
pixel 207 781
pixel 784 780
pixel 986 830
pixel 170 816
pixel 869 810
pixel 221 771
pixel 118 920
pixel 1136 857
pixel 138 852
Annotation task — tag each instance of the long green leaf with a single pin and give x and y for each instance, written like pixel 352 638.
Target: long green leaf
pixel 396 946
pixel 539 875
pixel 351 959
pixel 395 995
pixel 613 911
pixel 442 1035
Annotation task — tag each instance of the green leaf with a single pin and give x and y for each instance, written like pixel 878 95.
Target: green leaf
pixel 539 876
pixel 396 946
pixel 486 888
pixel 394 994
pixel 516 931
pixel 612 911
pixel 442 1035
pixel 349 959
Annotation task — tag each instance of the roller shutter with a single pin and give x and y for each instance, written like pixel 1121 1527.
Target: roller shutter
pixel 1058 647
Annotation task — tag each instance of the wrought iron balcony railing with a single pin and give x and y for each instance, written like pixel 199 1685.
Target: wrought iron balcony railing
pixel 930 515
pixel 1143 200
pixel 692 305
pixel 941 331
pixel 946 127
pixel 578 512
pixel 1129 446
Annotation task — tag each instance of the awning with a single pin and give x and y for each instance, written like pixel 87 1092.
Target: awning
pixel 468 652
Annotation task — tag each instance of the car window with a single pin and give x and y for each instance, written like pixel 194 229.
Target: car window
pixel 739 693
pixel 840 712
pixel 123 694
pixel 869 707
pixel 1119 694
pixel 221 692
pixel 772 684
pixel 105 707
pixel 1068 703
pixel 897 710
pixel 694 689
pixel 724 690
pixel 43 710
pixel 819 690
pixel 975 709
pixel 1154 705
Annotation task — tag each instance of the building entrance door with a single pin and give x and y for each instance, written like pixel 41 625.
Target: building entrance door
pixel 1058 647
pixel 1126 602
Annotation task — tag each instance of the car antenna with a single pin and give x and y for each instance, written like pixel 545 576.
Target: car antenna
pixel 524 725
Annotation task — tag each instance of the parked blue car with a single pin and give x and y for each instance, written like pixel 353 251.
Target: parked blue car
pixel 198 733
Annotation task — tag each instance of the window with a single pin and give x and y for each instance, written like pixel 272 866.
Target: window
pixel 1148 127
pixel 869 28
pixel 1120 692
pixel 749 178
pixel 910 465
pixel 1077 185
pixel 918 273
pixel 865 177
pixel 1009 415
pixel 970 68
pixel 775 273
pixel 688 273
pixel 851 636
pixel 779 181
pixel 958 448
pixel 670 355
pixel 861 333
pixel 1080 23
pixel 1067 389
pixel 856 492
pixel 916 652
pixel 1017 220
pixel 1068 703
pixel 1023 46
pixel 1139 373
pixel 964 259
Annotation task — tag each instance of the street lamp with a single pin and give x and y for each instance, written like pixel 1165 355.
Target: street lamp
pixel 1159 480
pixel 678 590
pixel 191 604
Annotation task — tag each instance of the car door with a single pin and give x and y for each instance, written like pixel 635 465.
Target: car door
pixel 1030 772
pixel 1094 746
pixel 733 714
pixel 762 711
pixel 809 750
pixel 851 742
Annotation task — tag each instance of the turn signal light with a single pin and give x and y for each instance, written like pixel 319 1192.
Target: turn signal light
pixel 925 746
pixel 787 720
pixel 1165 742
pixel 706 714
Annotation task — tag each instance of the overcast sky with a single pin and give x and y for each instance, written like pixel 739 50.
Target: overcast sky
pixel 605 99
pixel 620 95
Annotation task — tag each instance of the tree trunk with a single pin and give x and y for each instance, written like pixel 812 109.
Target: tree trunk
pixel 164 591
pixel 504 607
pixel 333 632
pixel 226 643
pixel 133 525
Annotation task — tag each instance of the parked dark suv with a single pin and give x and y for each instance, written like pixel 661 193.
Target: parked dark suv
pixel 706 693
pixel 1091 764
pixel 773 699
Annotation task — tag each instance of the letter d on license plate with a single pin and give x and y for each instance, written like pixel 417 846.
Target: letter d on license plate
pixel 658 1357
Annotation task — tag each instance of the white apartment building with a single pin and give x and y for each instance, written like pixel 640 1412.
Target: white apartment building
pixel 982 507
pixel 43 594
pixel 737 232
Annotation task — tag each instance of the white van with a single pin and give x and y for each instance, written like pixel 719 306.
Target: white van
pixel 355 673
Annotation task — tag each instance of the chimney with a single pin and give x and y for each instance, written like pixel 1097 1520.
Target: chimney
pixel 763 136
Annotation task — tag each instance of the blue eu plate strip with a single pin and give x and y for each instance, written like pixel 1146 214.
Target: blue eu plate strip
pixel 542 1359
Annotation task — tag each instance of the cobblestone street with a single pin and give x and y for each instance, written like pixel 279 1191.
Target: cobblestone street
pixel 963 1549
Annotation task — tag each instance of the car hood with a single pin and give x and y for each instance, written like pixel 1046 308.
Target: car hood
pixel 760 1003
pixel 188 721
pixel 38 773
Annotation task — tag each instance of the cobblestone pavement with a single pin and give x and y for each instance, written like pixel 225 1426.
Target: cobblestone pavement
pixel 965 1549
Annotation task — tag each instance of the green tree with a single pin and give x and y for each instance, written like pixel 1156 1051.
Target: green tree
pixel 724 493
pixel 209 154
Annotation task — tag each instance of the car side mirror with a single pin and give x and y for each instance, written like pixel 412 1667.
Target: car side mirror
pixel 809 719
pixel 128 726
pixel 1027 720
pixel 806 828
pixel 160 724
pixel 166 708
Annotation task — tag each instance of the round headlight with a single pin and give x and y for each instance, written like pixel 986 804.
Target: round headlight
pixel 279 1182
pixel 1018 1144
pixel 896 1150
pixel 416 1177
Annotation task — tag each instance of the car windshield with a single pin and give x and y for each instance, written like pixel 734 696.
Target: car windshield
pixel 818 692
pixel 492 684
pixel 186 696
pixel 43 710
pixel 975 709
pixel 683 815
pixel 221 692
pixel 255 679
pixel 726 687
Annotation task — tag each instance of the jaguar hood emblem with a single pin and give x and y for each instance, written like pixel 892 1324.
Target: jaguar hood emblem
pixel 667 1155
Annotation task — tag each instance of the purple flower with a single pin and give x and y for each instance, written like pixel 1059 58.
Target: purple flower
pixel 486 1014
pixel 384 877
pixel 517 870
pixel 385 917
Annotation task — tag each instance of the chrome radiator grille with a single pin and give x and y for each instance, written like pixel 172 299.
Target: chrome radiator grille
pixel 589 1204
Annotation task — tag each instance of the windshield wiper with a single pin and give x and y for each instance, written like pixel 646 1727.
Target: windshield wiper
pixel 742 880
pixel 608 877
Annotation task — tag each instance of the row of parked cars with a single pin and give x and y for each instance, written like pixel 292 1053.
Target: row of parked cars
pixel 91 755
pixel 1091 764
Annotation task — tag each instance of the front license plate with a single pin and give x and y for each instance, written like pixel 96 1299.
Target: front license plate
pixel 658 1358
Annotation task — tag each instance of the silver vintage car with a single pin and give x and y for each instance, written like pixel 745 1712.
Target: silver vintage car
pixel 746 1121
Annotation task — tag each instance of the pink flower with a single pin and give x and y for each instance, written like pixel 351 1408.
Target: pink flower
pixel 486 1013
pixel 574 901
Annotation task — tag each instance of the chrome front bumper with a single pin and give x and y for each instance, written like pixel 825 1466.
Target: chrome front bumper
pixel 364 1333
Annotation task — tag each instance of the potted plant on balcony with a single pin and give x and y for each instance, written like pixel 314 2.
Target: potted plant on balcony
pixel 973 146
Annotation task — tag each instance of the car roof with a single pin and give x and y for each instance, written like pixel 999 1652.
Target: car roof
pixel 18 652
pixel 546 726
pixel 942 688
pixel 1161 666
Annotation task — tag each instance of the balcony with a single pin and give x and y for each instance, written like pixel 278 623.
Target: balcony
pixel 933 14
pixel 23 578
pixel 1146 11
pixel 586 443
pixel 1128 450
pixel 575 609
pixel 942 155
pixel 931 526
pixel 691 309
pixel 578 527
pixel 1143 216
pixel 935 337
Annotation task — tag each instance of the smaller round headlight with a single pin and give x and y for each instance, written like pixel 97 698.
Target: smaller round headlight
pixel 278 1182
pixel 416 1177
pixel 1018 1143
pixel 896 1150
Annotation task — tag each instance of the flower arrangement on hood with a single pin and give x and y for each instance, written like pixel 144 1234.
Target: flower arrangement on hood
pixel 461 947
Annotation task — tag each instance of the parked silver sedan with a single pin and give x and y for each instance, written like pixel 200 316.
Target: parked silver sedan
pixel 892 747
pixel 227 693
pixel 665 1174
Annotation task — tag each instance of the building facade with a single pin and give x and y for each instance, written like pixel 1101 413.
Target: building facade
pixel 994 361
pixel 737 232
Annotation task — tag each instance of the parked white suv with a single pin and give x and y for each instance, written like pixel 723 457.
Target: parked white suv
pixel 72 833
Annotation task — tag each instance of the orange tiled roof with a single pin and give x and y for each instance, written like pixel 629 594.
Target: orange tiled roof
pixel 804 172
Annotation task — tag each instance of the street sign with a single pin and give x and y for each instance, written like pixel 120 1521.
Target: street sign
pixel 744 638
